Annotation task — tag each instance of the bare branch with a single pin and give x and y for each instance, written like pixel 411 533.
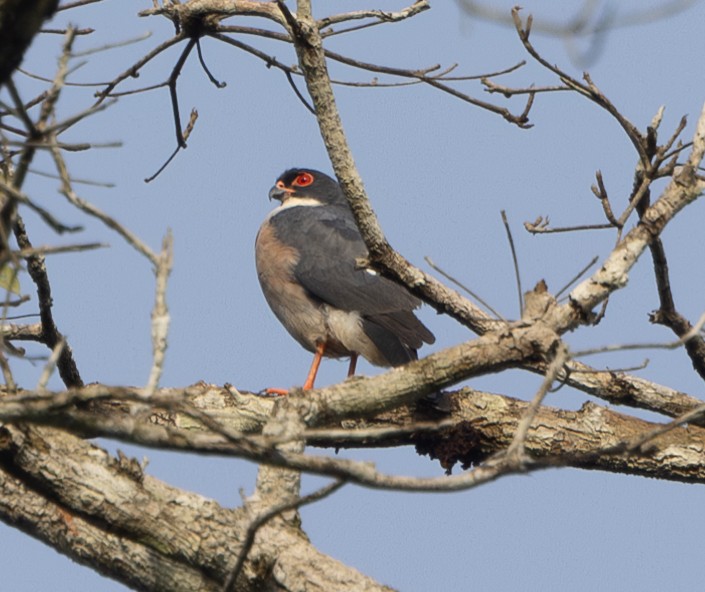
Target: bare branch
pixel 683 189
pixel 160 313
pixel 216 83
pixel 10 384
pixel 21 332
pixel 515 452
pixel 185 135
pixel 588 438
pixel 515 261
pixel 50 366
pixel 51 336
pixel 541 226
pixel 577 276
pixel 637 444
pixel 463 287
pixel 70 5
pixel 176 71
pixel 45 215
pixel 133 71
pixel 92 210
pixel 588 88
pixel 265 517
pixel 380 15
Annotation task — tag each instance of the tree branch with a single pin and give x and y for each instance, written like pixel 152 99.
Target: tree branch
pixel 476 425
pixel 138 530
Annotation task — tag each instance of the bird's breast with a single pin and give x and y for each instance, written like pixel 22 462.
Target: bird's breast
pixel 300 314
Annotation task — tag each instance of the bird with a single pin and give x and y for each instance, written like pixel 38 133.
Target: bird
pixel 307 254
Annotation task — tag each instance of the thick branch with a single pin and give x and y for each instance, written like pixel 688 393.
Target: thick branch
pixel 476 425
pixel 212 11
pixel 61 488
pixel 592 438
pixel 113 555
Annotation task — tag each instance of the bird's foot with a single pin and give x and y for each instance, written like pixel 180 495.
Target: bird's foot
pixel 273 392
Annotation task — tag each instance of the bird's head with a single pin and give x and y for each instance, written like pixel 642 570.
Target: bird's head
pixel 307 184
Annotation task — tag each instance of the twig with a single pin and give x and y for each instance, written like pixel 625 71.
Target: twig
pixel 65 124
pixel 493 87
pixel 265 517
pixel 11 303
pixel 671 318
pixel 176 71
pixel 7 110
pixel 418 75
pixel 64 31
pixel 637 444
pixel 74 180
pixel 133 71
pixel 11 331
pixel 186 133
pixel 586 88
pixel 540 226
pixel 49 104
pixel 270 61
pixel 380 15
pixel 515 451
pixel 635 199
pixel 601 194
pixel 515 261
pixel 50 366
pixel 26 156
pixel 683 340
pixel 521 120
pixel 10 384
pixel 296 90
pixel 46 216
pixel 108 46
pixel 462 286
pixel 95 212
pixel 577 276
pixel 55 250
pixel 142 89
pixel 76 4
pixel 50 333
pixel 160 314
pixel 216 83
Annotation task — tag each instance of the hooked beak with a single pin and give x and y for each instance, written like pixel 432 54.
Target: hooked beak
pixel 279 193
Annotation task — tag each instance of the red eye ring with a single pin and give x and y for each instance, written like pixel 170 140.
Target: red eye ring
pixel 303 179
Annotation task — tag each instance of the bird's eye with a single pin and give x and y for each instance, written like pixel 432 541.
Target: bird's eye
pixel 303 179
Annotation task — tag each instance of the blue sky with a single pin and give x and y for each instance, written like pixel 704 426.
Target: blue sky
pixel 438 172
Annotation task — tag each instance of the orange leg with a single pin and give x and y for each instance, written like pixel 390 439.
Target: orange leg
pixel 353 365
pixel 310 379
pixel 308 385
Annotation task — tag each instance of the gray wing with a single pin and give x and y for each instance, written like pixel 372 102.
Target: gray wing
pixel 329 244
